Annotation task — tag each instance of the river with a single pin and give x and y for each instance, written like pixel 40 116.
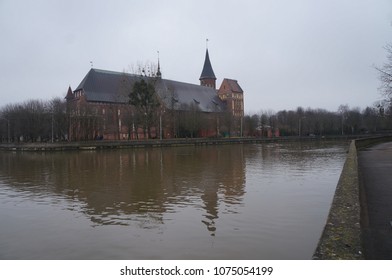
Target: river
pixel 251 201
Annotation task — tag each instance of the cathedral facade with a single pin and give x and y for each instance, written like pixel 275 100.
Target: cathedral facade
pixel 99 107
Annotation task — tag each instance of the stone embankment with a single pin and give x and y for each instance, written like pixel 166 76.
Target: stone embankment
pixel 342 235
pixel 123 144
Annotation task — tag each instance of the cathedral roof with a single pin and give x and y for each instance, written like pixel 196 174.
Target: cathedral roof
pixel 114 87
pixel 104 86
pixel 207 72
pixel 233 85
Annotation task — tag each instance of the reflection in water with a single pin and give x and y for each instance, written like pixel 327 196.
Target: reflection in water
pixel 120 187
pixel 171 199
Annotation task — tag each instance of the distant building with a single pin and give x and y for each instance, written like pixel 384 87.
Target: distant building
pixel 99 106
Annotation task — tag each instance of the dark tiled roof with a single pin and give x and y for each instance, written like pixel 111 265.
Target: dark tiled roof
pixel 106 86
pixel 234 86
pixel 207 72
pixel 176 95
pixel 114 87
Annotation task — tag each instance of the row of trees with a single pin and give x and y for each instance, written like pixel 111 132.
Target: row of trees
pixel 47 121
pixel 320 122
pixel 34 120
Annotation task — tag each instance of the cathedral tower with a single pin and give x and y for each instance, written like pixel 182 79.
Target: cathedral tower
pixel 207 77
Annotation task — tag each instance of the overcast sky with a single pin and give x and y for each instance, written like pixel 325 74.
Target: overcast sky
pixel 284 54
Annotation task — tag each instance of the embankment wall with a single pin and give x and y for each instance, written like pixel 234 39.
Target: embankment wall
pixel 123 144
pixel 341 237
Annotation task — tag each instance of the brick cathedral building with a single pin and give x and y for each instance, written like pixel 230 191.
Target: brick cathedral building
pixel 230 91
pixel 99 107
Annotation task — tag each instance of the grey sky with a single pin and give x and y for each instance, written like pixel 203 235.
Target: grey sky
pixel 284 54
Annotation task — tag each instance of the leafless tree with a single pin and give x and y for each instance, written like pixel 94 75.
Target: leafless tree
pixel 144 69
pixel 385 76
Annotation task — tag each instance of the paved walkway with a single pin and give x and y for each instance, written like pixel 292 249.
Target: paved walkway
pixel 375 174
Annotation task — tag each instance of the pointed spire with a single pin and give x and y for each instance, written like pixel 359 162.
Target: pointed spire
pixel 207 77
pixel 69 95
pixel 207 72
pixel 159 74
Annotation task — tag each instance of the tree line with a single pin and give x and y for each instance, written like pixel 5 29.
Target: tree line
pixel 319 122
pixel 34 121
pixel 47 121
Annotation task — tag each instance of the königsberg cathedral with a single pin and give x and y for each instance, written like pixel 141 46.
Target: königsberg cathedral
pixel 99 107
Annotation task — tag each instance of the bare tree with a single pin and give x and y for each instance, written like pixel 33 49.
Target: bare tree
pixel 144 99
pixel 58 119
pixel 385 76
pixel 144 69
pixel 343 112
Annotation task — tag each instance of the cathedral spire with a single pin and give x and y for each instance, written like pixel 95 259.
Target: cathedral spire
pixel 207 77
pixel 69 95
pixel 159 74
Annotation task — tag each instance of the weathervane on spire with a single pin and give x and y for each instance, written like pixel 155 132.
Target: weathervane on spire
pixel 206 43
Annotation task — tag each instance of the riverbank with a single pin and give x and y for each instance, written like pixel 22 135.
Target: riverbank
pixel 342 235
pixel 123 144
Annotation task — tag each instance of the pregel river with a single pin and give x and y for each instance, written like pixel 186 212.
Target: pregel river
pixel 253 201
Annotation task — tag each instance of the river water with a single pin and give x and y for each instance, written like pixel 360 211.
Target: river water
pixel 254 201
